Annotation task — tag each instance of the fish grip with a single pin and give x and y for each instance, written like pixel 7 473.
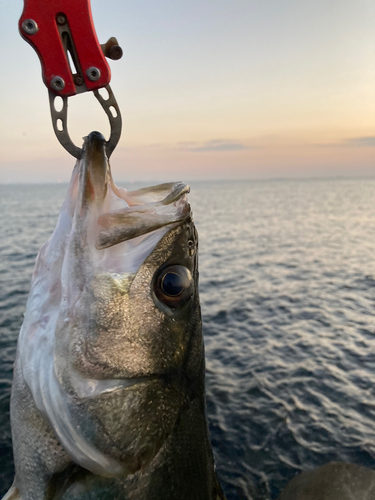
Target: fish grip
pixel 60 121
pixel 63 35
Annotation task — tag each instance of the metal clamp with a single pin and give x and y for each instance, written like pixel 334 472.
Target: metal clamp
pixel 63 34
pixel 60 126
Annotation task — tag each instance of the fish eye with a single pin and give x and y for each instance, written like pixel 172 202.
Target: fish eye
pixel 173 286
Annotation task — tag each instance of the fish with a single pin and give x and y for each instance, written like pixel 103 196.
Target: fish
pixel 108 395
pixel 332 481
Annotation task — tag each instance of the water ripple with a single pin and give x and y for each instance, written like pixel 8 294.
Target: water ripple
pixel 287 279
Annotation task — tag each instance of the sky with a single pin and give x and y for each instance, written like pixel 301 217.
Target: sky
pixel 224 89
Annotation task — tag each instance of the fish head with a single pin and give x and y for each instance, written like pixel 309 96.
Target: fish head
pixel 111 346
pixel 131 276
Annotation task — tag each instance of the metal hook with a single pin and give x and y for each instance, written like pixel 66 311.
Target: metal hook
pixel 60 122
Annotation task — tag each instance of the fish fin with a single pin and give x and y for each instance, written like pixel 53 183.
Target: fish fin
pixel 13 494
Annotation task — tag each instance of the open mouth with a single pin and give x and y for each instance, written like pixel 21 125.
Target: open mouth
pixel 122 227
pixel 143 216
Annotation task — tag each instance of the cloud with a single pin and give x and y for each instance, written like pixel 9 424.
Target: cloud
pixel 353 142
pixel 214 145
pixel 360 142
pixel 187 144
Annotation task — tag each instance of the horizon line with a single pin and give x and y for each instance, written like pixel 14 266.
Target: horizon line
pixel 221 180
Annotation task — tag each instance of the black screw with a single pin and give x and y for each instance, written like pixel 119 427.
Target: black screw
pixel 57 83
pixel 61 19
pixel 78 80
pixel 93 74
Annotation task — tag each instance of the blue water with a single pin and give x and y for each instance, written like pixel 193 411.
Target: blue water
pixel 287 283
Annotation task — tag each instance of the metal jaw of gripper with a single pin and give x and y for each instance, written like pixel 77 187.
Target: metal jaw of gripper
pixel 60 126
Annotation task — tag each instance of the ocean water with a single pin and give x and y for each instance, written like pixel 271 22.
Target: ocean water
pixel 287 285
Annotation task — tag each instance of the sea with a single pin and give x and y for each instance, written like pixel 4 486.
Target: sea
pixel 287 287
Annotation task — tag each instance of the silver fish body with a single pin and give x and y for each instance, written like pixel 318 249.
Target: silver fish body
pixel 108 399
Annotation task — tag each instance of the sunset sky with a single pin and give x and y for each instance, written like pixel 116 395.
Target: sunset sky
pixel 224 89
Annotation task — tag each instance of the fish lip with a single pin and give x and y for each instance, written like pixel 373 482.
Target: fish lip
pixel 94 148
pixel 93 169
pixel 95 140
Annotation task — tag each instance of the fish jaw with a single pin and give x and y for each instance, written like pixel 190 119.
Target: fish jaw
pixel 96 328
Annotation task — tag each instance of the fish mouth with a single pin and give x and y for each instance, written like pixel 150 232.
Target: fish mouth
pixel 134 221
pixel 111 215
pixel 94 145
pixel 93 170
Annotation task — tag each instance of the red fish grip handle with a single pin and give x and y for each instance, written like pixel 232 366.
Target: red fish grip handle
pixel 62 33
pixel 57 29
